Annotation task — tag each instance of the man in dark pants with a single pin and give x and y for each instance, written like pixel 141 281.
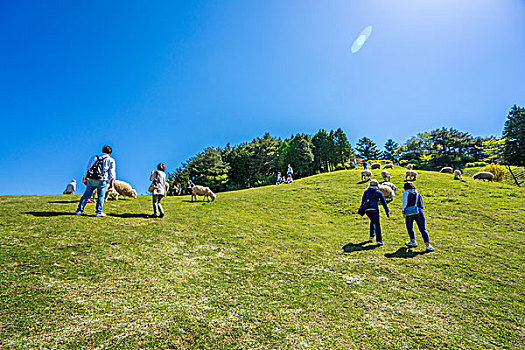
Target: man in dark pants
pixel 374 196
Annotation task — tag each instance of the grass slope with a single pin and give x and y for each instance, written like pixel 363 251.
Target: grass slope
pixel 264 268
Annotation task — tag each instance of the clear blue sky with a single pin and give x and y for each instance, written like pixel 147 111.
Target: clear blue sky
pixel 160 81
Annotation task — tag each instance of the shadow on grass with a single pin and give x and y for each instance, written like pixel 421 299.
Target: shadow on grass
pixel 196 202
pixel 131 215
pixel 357 247
pixel 47 213
pixel 363 182
pixel 63 202
pixel 404 253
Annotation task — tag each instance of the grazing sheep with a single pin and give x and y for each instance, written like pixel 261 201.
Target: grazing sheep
pixel 410 167
pixel 366 174
pixel 123 189
pixel 412 174
pixel 375 166
pixel 386 175
pixel 483 175
pixel 457 174
pixel 202 191
pixel 387 192
pixel 111 193
pixel 447 170
pixel 391 185
pixel 389 166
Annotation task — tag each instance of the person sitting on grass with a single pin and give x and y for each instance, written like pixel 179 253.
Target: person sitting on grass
pixel 71 187
pixel 289 180
pixel 279 179
pixel 414 202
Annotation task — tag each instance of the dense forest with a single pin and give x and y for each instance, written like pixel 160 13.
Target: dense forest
pixel 256 163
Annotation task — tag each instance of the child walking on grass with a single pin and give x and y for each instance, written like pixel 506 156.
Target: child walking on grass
pixel 413 211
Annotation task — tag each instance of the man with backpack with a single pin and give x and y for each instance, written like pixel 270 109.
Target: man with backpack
pixel 100 175
pixel 370 205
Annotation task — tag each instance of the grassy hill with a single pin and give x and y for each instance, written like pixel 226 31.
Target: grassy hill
pixel 264 268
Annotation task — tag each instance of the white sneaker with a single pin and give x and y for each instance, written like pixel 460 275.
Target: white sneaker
pixel 77 212
pixel 371 238
pixel 100 215
pixel 379 243
pixel 430 248
pixel 411 244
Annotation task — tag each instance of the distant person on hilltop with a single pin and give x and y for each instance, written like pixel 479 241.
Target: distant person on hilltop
pixel 289 172
pixel 372 197
pixel 99 175
pixel 158 179
pixel 71 187
pixel 279 179
pixel 413 210
pixel 289 180
pixel 364 164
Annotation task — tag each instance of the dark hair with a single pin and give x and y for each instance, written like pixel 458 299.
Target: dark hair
pixel 161 166
pixel 107 149
pixel 409 186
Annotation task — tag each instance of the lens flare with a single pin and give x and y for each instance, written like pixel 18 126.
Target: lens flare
pixel 361 39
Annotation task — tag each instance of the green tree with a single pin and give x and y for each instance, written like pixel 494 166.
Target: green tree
pixel 343 150
pixel 514 133
pixel 367 149
pixel 491 150
pixel 238 158
pixel 208 169
pixel 390 150
pixel 323 147
pixel 300 155
pixel 263 151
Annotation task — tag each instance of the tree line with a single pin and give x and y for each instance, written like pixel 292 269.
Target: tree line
pixel 256 163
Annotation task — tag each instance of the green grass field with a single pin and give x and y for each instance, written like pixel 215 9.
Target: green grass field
pixel 264 268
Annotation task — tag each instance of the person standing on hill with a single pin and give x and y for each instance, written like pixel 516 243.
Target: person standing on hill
pixel 100 174
pixel 158 179
pixel 413 211
pixel 372 197
pixel 289 172
pixel 364 164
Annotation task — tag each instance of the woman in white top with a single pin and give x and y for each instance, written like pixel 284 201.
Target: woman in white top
pixel 158 179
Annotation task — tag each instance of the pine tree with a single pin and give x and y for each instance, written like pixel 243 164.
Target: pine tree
pixel 514 133
pixel 367 149
pixel 390 148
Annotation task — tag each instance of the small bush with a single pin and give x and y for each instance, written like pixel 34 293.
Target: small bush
pixel 475 164
pixel 498 171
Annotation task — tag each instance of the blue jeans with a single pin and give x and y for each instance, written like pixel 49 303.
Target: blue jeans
pixel 375 226
pixel 420 221
pixel 101 187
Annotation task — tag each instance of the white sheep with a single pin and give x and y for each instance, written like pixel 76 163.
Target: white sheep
pixel 386 175
pixel 122 188
pixel 483 175
pixel 202 191
pixel 375 166
pixel 412 174
pixel 410 167
pixel 366 174
pixel 457 174
pixel 387 192
pixel 447 170
pixel 389 166
pixel 391 185
pixel 110 192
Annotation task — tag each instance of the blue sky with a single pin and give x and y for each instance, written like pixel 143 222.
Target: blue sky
pixel 161 81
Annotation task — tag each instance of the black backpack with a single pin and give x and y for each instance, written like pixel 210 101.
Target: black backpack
pixel 96 171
